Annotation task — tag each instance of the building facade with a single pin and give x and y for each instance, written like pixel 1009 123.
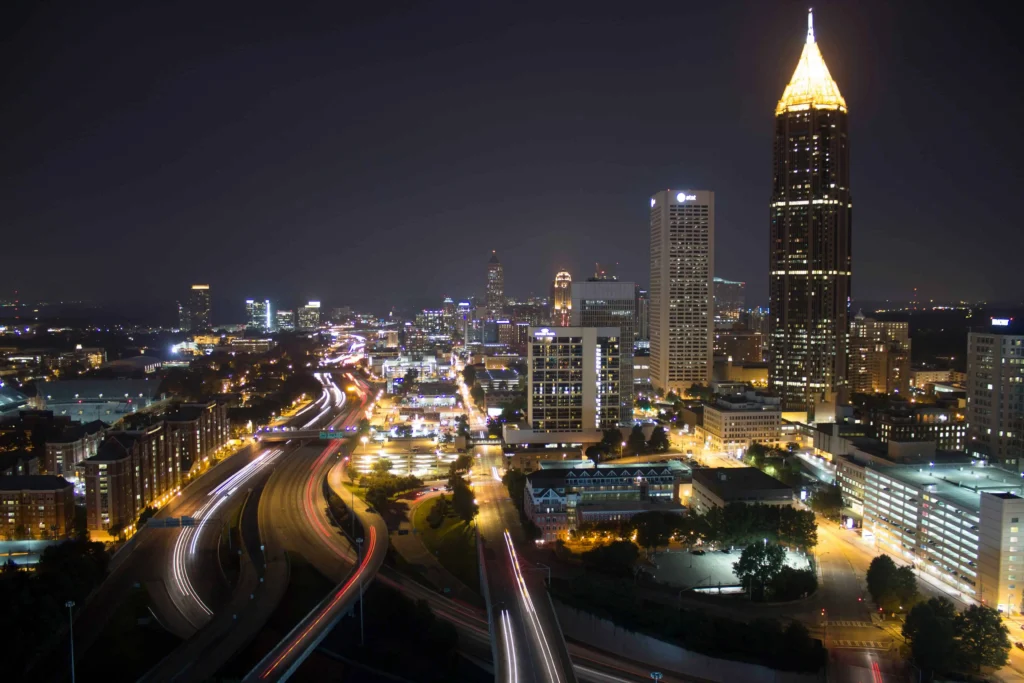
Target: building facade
pixel 611 303
pixel 199 309
pixel 734 422
pixel 959 523
pixel 309 316
pixel 575 378
pixel 561 500
pixel 730 300
pixel 495 287
pixel 879 360
pixel 810 245
pixel 716 487
pixel 36 506
pixel 71 446
pixel 561 299
pixel 995 393
pixel 258 315
pixel 681 307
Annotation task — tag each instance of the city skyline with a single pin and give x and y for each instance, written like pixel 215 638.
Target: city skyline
pixel 745 62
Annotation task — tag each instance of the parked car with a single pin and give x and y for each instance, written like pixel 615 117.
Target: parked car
pixel 697 552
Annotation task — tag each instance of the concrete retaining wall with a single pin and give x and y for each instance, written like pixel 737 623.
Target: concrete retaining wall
pixel 605 635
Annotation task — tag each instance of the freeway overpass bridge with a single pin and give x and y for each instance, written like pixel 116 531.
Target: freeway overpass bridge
pixel 281 436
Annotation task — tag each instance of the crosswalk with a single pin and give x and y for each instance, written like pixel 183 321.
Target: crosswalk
pixel 852 624
pixel 861 644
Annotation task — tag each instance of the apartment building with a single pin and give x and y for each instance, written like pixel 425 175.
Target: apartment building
pixel 36 506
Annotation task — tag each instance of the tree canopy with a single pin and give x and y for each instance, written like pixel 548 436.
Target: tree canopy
pixel 759 563
pixel 828 502
pixel 943 641
pixel 892 588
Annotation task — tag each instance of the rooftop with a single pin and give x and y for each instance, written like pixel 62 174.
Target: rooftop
pixel 961 485
pixel 812 85
pixel 68 391
pixel 729 482
pixel 34 482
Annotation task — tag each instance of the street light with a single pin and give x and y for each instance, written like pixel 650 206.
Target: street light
pixel 70 604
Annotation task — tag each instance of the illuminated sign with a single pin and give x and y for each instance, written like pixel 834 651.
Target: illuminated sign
pixel 1001 322
pixel 652 201
pixel 544 333
pixel 683 197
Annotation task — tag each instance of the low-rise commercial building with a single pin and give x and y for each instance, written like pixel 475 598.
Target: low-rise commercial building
pixel 736 421
pixel 716 487
pixel 561 500
pixel 36 506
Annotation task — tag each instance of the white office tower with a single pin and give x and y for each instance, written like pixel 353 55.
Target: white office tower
pixel 682 269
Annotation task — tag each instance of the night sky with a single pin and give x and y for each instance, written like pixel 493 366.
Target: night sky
pixel 376 155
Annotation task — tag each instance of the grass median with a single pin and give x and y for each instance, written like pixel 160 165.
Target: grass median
pixel 453 543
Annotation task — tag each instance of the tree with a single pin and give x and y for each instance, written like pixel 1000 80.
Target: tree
pixel 616 558
pixel 891 587
pixel 469 375
pixel 636 440
pixel 461 464
pixel 643 403
pixel 929 629
pixel 477 394
pixel 828 502
pixel 652 529
pixel 494 427
pixel 514 480
pixel 382 466
pixel 658 440
pixel 756 455
pixel 437 512
pixel 982 639
pixel 463 501
pixel 462 426
pixel 364 426
pixel 791 584
pixel 377 497
pixel 759 563
pixel 146 515
pixel 611 440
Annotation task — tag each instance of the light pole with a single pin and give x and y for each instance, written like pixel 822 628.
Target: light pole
pixel 359 568
pixel 70 604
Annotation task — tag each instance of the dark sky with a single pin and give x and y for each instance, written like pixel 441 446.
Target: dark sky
pixel 377 154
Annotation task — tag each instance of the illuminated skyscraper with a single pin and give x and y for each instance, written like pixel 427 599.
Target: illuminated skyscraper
pixel 495 287
pixel 199 308
pixel 809 262
pixel 309 316
pixel 258 315
pixel 682 267
pixel 561 299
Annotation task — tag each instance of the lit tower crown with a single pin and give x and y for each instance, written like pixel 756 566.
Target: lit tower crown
pixel 812 84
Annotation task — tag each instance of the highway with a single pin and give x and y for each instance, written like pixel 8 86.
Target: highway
pixel 530 647
pixel 192 585
pixel 296 518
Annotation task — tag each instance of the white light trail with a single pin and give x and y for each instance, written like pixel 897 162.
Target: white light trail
pixel 188 538
pixel 531 613
pixel 512 667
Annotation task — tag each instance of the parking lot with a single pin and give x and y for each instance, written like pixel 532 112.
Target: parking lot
pixel 682 569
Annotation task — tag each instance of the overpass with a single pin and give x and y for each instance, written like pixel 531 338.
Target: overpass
pixel 281 436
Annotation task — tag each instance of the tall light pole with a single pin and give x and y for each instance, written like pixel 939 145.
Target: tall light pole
pixel 359 568
pixel 70 604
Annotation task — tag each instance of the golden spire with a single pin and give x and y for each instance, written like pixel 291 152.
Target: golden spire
pixel 811 85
